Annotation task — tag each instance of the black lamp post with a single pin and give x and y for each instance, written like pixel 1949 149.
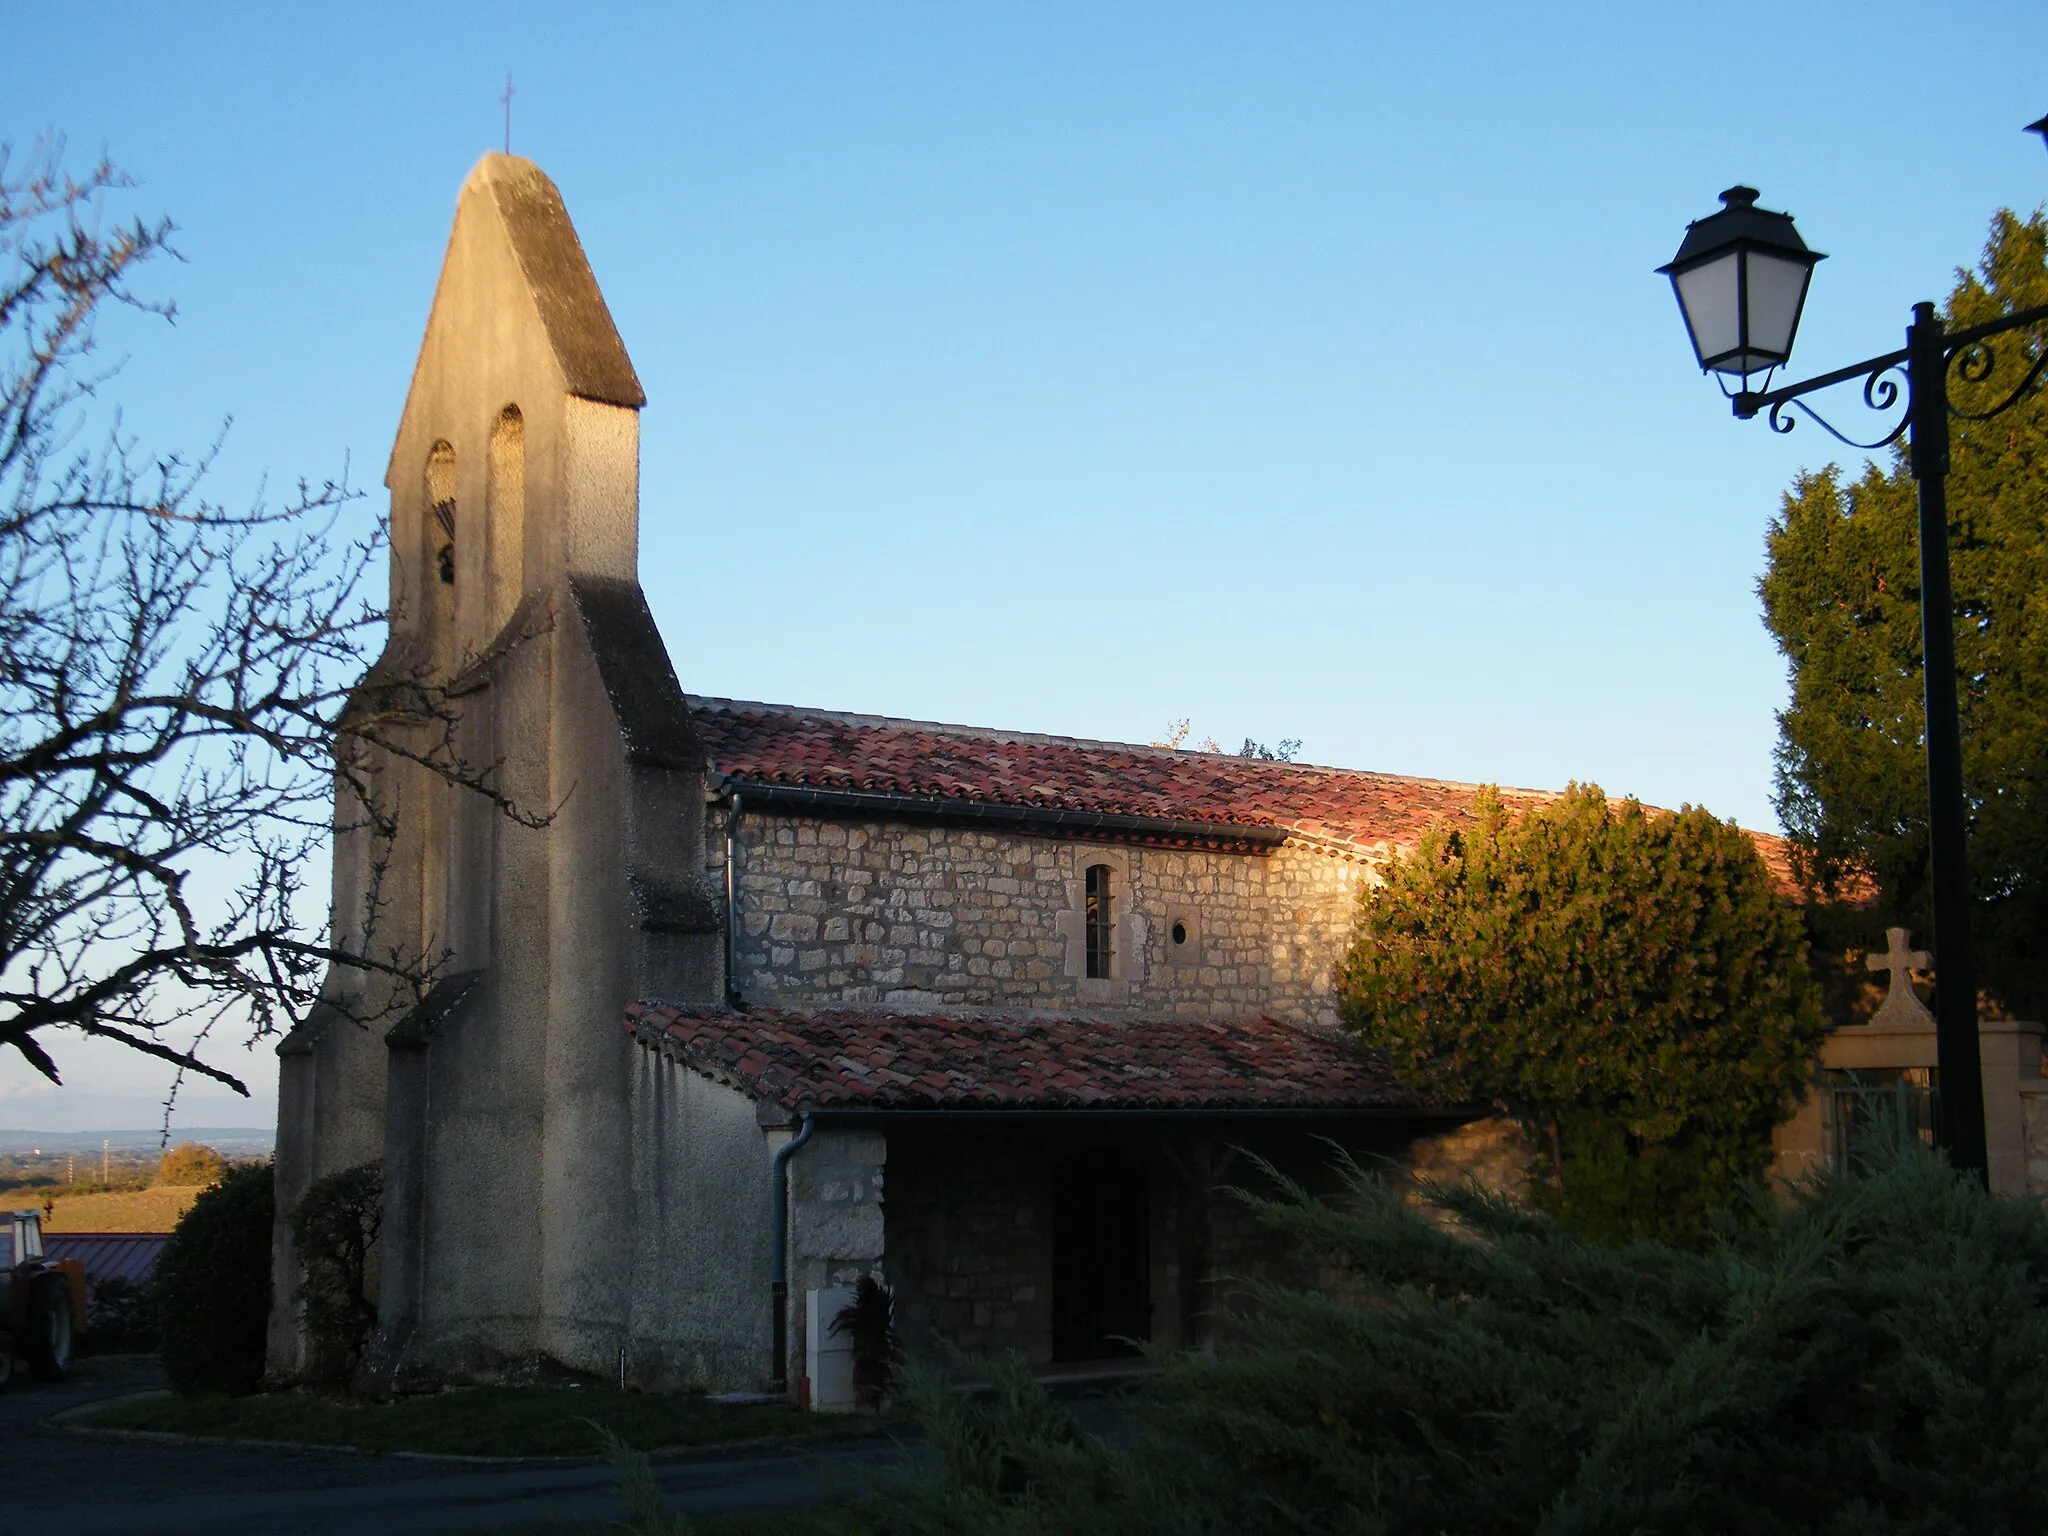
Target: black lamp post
pixel 1741 277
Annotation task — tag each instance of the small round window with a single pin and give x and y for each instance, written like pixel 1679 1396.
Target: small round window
pixel 1180 933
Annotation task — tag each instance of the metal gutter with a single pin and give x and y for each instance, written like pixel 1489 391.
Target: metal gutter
pixel 982 812
pixel 1097 1116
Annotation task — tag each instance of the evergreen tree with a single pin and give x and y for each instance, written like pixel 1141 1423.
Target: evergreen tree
pixel 1842 597
pixel 1632 987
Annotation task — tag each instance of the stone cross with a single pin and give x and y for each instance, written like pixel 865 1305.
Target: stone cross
pixel 1902 1005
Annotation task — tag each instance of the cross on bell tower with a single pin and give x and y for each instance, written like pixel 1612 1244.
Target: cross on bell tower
pixel 1902 1005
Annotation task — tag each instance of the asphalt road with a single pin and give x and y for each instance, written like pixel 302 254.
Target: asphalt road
pixel 83 1484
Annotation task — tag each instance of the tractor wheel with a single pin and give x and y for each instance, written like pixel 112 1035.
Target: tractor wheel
pixel 47 1341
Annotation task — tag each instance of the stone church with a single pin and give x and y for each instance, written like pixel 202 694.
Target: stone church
pixel 778 997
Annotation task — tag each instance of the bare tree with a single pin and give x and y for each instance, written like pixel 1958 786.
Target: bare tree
pixel 174 678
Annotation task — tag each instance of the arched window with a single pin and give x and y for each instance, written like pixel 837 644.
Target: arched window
pixel 508 513
pixel 1099 921
pixel 441 504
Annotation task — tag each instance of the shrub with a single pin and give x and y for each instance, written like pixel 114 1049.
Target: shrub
pixel 869 1323
pixel 1870 1359
pixel 1631 986
pixel 118 1311
pixel 189 1163
pixel 212 1287
pixel 335 1231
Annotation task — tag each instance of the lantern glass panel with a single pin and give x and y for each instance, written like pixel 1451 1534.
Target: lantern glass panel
pixel 1708 296
pixel 1776 289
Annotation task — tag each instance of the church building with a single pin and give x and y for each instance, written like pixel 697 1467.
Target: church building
pixel 746 1001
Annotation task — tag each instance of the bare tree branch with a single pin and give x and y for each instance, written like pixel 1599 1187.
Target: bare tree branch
pixel 185 688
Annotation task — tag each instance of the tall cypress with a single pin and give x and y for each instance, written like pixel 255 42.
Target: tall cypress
pixel 1841 595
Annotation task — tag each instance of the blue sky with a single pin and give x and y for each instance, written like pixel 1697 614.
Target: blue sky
pixel 1299 370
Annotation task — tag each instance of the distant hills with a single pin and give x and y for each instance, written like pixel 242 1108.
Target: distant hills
pixel 235 1140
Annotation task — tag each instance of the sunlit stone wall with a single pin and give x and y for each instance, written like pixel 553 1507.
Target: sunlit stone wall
pixel 887 914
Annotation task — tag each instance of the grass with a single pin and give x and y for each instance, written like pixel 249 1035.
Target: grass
pixel 796 1522
pixel 639 1494
pixel 129 1210
pixel 471 1421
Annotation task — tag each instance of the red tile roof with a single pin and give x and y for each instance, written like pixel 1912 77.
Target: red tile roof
pixel 820 749
pixel 860 1059
pixel 782 745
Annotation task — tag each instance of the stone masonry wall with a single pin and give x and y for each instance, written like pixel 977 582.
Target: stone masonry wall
pixel 970 1217
pixel 887 914
pixel 970 1249
pixel 2034 1113
pixel 1310 904
pixel 1242 1251
pixel 835 1218
pixel 1493 1153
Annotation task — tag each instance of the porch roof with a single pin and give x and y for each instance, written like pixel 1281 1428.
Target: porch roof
pixel 853 1059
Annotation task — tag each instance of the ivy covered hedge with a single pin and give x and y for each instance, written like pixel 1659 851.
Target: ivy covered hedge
pixel 335 1232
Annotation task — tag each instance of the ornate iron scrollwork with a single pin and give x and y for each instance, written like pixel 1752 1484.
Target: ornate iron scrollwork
pixel 1969 354
pixel 1880 393
pixel 1976 361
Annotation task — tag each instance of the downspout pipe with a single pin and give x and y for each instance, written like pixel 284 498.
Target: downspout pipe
pixel 732 907
pixel 778 1264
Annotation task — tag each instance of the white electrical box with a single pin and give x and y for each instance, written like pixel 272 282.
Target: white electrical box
pixel 828 1357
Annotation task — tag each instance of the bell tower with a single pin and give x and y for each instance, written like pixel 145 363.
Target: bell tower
pixel 517 457
pixel 537 879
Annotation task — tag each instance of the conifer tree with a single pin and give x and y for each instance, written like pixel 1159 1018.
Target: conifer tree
pixel 1868 1359
pixel 1842 597
pixel 1632 987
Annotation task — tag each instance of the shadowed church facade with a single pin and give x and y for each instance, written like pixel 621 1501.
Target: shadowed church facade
pixel 778 997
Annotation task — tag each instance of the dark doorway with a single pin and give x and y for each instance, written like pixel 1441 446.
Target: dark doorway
pixel 1101 1270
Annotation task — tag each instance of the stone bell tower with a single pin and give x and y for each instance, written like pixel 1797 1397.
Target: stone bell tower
pixel 497 1098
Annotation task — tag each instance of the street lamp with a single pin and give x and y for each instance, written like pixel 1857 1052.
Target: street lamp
pixel 1740 276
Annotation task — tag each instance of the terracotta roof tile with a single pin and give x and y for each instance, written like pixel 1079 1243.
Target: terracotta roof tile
pixel 821 749
pixel 783 745
pixel 861 1059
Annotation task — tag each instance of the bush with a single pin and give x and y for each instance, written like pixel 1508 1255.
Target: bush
pixel 1872 1359
pixel 335 1231
pixel 212 1288
pixel 1631 986
pixel 118 1311
pixel 869 1323
pixel 189 1163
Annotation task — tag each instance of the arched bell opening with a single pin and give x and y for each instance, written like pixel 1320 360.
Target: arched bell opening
pixel 507 518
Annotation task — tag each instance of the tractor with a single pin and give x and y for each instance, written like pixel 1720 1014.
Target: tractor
pixel 42 1305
